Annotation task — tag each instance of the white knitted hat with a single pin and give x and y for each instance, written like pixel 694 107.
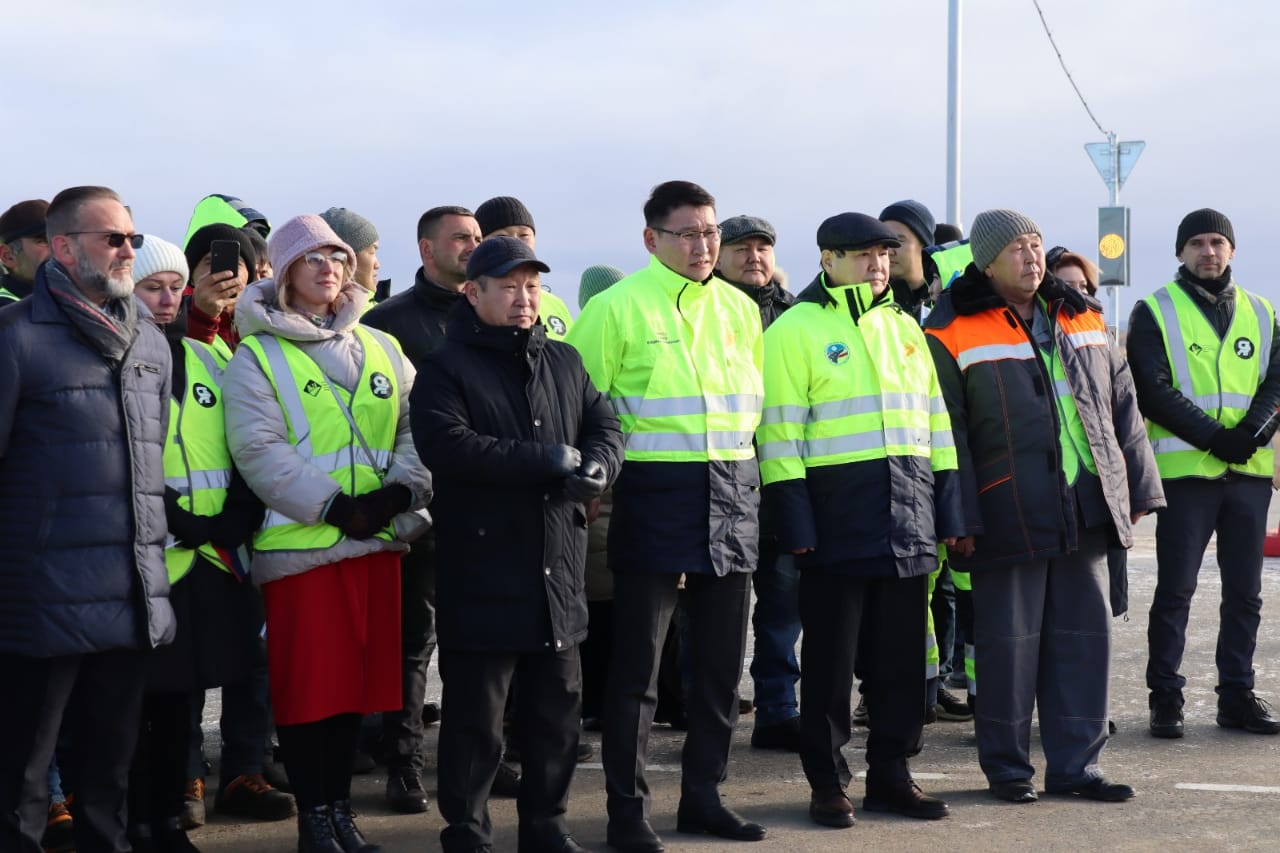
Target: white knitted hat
pixel 157 255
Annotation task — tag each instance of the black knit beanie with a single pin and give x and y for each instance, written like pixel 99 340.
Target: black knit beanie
pixel 1206 220
pixel 202 240
pixel 502 212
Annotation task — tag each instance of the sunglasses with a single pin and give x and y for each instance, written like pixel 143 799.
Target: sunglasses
pixel 115 239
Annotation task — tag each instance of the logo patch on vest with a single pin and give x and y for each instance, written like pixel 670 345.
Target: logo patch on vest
pixel 1244 347
pixel 380 386
pixel 204 395
pixel 557 325
pixel 837 353
pixel 312 387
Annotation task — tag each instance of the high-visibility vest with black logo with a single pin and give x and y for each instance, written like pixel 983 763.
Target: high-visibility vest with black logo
pixel 681 362
pixel 555 316
pixel 838 392
pixel 1218 375
pixel 197 463
pixel 320 432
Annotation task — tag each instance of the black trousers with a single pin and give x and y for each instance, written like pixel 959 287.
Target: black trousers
pixel 159 772
pixel 880 622
pixel 1236 508
pixel 403 731
pixel 547 722
pixel 99 698
pixel 717 612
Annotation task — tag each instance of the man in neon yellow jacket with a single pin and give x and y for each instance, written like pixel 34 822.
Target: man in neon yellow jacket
pixel 859 469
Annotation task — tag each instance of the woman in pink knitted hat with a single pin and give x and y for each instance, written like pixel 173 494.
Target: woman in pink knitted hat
pixel 318 425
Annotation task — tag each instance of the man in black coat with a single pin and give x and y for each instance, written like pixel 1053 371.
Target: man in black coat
pixel 447 235
pixel 519 442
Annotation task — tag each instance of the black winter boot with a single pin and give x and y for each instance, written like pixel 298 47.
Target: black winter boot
pixel 349 835
pixel 170 837
pixel 315 831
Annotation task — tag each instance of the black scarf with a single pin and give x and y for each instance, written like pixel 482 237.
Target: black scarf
pixel 111 329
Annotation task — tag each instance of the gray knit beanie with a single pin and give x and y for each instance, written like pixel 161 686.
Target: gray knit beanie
pixel 356 231
pixel 993 230
pixel 596 279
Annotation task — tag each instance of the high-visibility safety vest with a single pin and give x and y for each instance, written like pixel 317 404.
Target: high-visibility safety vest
pixel 197 463
pixel 555 316
pixel 681 362
pixel 8 295
pixel 321 433
pixel 1081 331
pixel 839 391
pixel 948 261
pixel 1218 375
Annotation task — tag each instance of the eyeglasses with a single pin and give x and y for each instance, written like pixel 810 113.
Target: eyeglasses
pixel 316 260
pixel 115 239
pixel 711 235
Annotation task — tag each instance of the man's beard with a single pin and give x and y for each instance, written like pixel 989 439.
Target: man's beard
pixel 103 285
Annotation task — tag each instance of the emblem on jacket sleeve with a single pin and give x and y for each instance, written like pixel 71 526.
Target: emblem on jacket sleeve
pixel 556 325
pixel 204 395
pixel 380 386
pixel 837 353
pixel 1244 347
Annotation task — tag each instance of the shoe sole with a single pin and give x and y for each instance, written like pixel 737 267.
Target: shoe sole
pixel 1228 723
pixel 889 808
pixel 833 821
pixel 953 717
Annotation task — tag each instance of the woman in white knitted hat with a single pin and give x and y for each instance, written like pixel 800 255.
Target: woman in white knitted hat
pixel 318 424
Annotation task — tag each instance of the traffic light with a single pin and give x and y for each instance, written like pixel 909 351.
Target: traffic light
pixel 1113 246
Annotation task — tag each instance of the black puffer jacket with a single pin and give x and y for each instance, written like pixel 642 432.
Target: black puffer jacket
pixel 82 520
pixel 486 409
pixel 773 299
pixel 1153 378
pixel 416 318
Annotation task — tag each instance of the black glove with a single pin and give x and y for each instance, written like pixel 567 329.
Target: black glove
pixel 381 505
pixel 348 515
pixel 189 529
pixel 589 482
pixel 235 526
pixel 1233 445
pixel 562 459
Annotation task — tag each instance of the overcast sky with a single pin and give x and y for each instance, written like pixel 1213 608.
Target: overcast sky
pixel 792 111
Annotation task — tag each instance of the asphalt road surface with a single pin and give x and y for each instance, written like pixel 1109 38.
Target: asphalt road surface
pixel 1213 790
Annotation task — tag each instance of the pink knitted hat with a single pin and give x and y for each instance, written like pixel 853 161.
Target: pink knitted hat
pixel 300 235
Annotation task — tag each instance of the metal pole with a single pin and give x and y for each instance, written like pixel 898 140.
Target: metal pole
pixel 1115 202
pixel 953 113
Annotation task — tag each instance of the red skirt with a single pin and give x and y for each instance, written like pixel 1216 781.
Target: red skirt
pixel 333 639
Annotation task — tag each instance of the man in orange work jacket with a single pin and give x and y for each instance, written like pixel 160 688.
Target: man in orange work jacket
pixel 1054 464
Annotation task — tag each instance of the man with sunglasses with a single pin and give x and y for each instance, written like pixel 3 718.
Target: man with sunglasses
pixel 680 354
pixel 23 247
pixel 84 388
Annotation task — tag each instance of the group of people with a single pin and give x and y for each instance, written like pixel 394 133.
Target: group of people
pixel 223 466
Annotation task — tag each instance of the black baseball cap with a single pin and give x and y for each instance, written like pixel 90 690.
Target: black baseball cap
pixel 497 256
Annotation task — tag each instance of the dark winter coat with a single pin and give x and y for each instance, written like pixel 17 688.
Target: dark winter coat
pixel 773 299
pixel 82 519
pixel 1005 422
pixel 416 318
pixel 486 411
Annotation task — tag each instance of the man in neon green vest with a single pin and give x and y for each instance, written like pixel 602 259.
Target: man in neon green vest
pixel 1204 354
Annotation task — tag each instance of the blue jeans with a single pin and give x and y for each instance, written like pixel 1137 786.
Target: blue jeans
pixel 55 783
pixel 776 623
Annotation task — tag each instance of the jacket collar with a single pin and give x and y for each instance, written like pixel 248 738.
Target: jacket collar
pixel 974 293
pixel 671 281
pixel 770 294
pixel 468 329
pixel 434 295
pixel 858 297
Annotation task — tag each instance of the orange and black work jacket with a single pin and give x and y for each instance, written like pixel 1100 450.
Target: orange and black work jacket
pixel 1004 411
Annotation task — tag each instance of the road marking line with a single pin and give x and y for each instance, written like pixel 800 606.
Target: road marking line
pixel 1234 789
pixel 862 774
